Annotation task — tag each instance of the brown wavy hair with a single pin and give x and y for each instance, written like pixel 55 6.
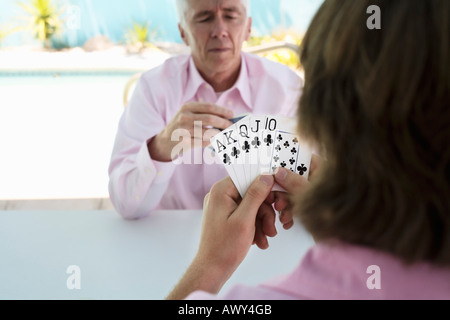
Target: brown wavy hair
pixel 377 102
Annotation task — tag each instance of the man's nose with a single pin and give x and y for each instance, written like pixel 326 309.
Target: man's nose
pixel 220 29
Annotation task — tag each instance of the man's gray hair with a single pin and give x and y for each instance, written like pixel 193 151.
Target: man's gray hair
pixel 182 6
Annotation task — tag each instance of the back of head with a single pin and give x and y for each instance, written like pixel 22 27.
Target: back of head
pixel 377 101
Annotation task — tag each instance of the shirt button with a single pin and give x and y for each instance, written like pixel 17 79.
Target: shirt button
pixel 138 198
pixel 230 103
pixel 148 170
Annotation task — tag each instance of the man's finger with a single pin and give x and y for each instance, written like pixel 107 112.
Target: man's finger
pixel 208 108
pixel 210 120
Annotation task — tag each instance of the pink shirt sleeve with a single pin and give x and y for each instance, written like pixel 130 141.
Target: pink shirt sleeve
pixel 243 292
pixel 137 183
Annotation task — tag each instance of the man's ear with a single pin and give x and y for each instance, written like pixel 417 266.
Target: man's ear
pixel 249 29
pixel 183 34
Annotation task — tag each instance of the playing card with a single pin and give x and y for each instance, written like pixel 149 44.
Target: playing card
pixel 256 145
pixel 255 133
pixel 269 126
pixel 245 148
pixel 228 148
pixel 288 151
pixel 217 145
pixel 234 121
pixel 237 119
pixel 285 143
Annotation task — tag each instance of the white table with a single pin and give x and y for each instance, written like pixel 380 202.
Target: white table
pixel 118 259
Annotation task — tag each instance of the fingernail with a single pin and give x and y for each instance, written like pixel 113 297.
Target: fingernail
pixel 281 174
pixel 267 180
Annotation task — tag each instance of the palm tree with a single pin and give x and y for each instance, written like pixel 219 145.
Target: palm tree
pixel 140 35
pixel 45 21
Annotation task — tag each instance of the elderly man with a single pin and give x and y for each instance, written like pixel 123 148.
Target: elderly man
pixel 193 93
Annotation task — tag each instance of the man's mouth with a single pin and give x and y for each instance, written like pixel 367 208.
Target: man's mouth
pixel 219 50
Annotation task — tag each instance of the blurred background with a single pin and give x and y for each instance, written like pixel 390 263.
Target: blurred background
pixel 67 68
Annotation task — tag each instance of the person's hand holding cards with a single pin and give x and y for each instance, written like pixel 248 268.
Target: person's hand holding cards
pixel 258 145
pixel 198 119
pixel 292 183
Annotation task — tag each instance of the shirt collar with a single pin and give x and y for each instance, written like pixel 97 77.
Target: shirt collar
pixel 195 81
pixel 243 84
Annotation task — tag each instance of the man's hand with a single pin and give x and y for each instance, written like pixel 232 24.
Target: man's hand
pixel 187 121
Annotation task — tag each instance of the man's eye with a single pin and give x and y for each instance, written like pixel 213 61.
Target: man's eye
pixel 206 19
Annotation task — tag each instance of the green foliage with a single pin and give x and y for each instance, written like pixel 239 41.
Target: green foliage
pixel 140 36
pixel 44 19
pixel 284 56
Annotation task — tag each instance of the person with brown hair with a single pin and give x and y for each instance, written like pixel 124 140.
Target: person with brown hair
pixel 376 104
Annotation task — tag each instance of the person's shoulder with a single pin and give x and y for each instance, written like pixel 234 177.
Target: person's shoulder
pixel 259 66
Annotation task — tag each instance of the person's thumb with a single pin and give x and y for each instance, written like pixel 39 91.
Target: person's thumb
pixel 256 194
pixel 290 181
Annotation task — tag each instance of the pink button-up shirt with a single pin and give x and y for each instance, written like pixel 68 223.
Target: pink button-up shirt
pixel 139 184
pixel 338 271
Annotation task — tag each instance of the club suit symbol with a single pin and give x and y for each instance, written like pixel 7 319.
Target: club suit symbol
pixel 302 169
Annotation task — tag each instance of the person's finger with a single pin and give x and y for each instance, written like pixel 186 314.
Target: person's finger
pixel 210 120
pixel 255 196
pixel 284 206
pixel 208 108
pixel 290 181
pixel 224 187
pixel 209 133
pixel 288 225
pixel 286 219
pixel 271 198
pixel 282 201
pixel 197 124
pixel 267 216
pixel 260 238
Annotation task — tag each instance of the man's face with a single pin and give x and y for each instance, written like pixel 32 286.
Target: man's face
pixel 215 31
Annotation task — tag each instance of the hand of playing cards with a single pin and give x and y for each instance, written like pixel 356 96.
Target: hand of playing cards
pixel 258 145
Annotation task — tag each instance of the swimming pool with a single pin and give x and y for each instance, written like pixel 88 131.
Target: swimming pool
pixel 56 133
